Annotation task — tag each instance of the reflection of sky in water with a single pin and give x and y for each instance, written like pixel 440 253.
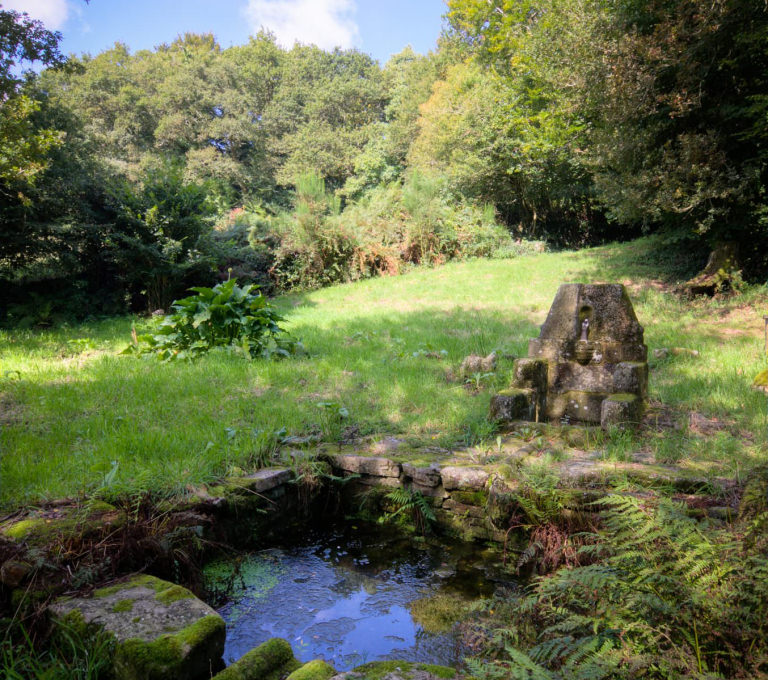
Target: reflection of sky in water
pixel 341 607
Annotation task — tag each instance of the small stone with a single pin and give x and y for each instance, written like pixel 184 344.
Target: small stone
pixel 13 573
pixel 474 363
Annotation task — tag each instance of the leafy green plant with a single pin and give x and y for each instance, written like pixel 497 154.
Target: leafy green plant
pixel 413 503
pixel 266 446
pixel 476 380
pixel 226 316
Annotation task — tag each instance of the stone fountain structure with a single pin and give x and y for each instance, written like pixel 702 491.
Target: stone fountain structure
pixel 589 363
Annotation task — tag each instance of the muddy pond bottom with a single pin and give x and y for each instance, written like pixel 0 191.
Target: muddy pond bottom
pixel 351 594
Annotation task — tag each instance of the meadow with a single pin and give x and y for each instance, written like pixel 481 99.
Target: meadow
pixel 78 418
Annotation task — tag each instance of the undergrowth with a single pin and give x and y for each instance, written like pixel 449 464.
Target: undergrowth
pixel 661 597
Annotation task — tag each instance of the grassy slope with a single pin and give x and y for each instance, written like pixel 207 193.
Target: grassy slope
pixel 69 406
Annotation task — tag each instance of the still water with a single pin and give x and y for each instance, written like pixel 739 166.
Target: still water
pixel 350 594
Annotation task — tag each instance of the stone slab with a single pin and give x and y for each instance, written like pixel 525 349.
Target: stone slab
pixel 267 479
pixel 162 631
pixel 423 476
pixel 366 465
pixel 464 478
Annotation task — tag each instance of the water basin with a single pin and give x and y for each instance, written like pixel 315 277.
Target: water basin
pixel 350 594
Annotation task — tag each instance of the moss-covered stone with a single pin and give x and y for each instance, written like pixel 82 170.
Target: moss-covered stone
pixel 161 631
pixel 172 594
pixel 123 605
pixel 272 660
pixel 379 670
pixel 43 528
pixel 761 381
pixel 314 670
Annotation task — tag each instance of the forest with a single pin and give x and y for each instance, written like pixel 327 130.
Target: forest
pixel 127 177
pixel 314 367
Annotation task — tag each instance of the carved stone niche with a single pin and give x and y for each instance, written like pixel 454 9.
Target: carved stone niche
pixel 589 363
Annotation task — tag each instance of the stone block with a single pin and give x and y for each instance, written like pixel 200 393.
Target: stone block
pixel 621 410
pixel 161 630
pixel 464 478
pixel 462 510
pixel 266 479
pixel 631 377
pixel 531 374
pixel 423 476
pixel 514 404
pixel 576 405
pixel 366 465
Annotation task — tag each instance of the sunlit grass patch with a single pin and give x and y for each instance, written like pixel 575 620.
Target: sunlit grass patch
pixel 386 350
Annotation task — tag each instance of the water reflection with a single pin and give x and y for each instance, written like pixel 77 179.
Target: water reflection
pixel 343 595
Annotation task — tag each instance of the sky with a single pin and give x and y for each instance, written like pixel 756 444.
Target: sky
pixel 379 27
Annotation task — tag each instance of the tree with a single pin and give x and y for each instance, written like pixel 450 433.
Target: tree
pixel 23 147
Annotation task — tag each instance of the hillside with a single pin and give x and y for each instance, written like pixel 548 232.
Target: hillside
pixel 386 350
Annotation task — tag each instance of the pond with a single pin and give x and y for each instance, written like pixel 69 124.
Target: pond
pixel 354 593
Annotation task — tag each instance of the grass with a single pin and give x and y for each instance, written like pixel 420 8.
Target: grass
pixel 78 418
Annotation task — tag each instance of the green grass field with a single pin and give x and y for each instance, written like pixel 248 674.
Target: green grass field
pixel 388 350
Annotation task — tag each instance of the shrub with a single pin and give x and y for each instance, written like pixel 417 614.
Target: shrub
pixel 228 316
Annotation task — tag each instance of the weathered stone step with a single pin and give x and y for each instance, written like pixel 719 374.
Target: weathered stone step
pixel 161 630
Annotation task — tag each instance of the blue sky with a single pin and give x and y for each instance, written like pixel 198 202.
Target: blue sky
pixel 379 27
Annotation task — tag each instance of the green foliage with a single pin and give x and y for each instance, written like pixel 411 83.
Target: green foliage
pixel 333 415
pixel 72 654
pixel 409 502
pixel 225 316
pixel 667 598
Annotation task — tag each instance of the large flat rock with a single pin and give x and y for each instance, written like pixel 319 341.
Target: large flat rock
pixel 162 631
pixel 366 465
pixel 464 478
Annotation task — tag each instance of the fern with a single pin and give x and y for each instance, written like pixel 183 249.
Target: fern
pixel 407 501
pixel 669 598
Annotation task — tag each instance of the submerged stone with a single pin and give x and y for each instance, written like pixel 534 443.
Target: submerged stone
pixel 398 670
pixel 161 630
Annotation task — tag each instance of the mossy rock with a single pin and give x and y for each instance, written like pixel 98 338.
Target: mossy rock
pixel 272 660
pixel 314 670
pixel 43 528
pixel 404 670
pixel 161 630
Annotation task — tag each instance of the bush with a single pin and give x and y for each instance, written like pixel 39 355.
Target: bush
pixel 227 316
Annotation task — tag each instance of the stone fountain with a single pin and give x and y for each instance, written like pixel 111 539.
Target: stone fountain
pixel 589 363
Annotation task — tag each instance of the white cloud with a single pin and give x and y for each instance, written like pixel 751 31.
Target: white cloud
pixel 325 23
pixel 53 13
